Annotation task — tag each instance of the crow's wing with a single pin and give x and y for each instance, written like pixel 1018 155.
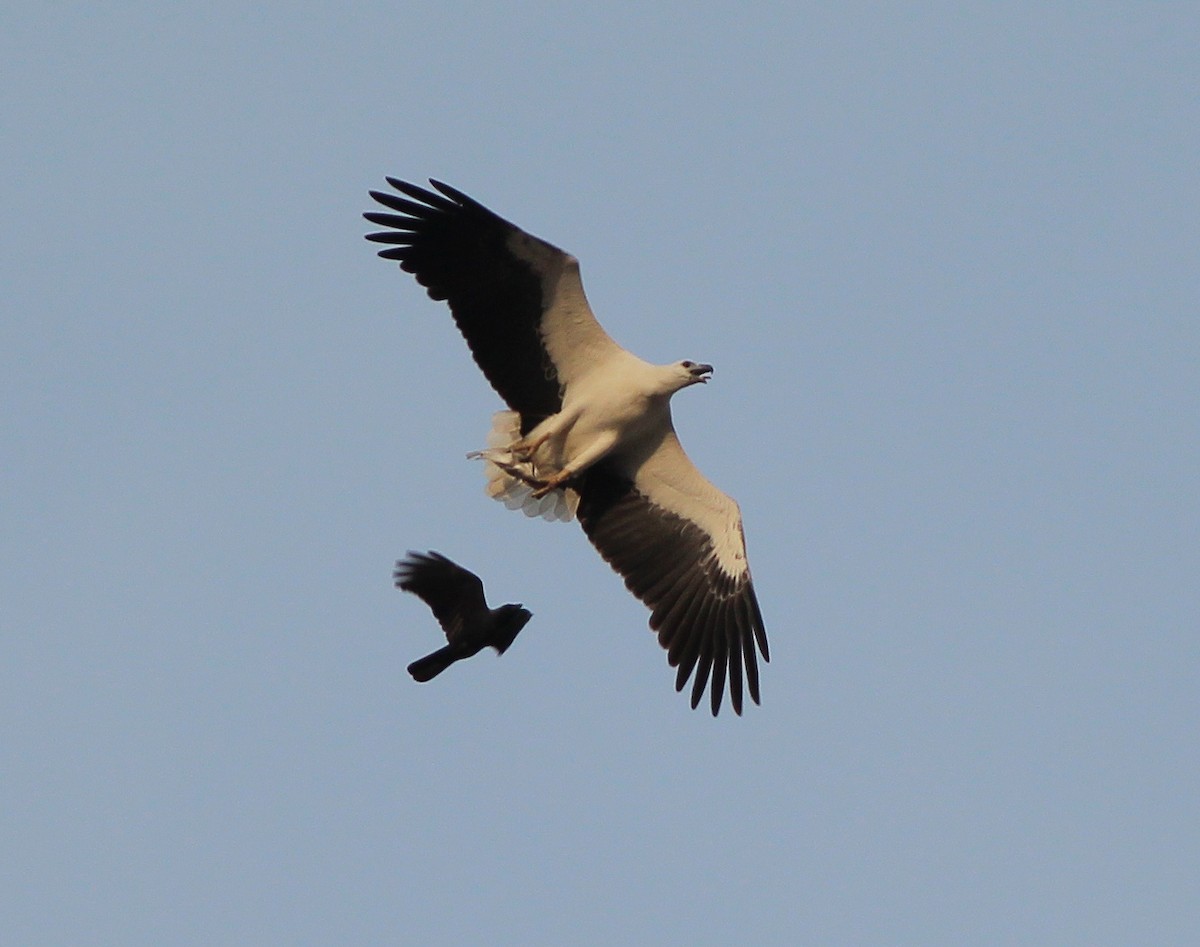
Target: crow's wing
pixel 454 594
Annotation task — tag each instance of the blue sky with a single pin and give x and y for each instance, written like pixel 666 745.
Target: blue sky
pixel 944 258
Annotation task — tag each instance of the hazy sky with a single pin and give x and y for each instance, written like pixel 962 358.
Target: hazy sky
pixel 946 261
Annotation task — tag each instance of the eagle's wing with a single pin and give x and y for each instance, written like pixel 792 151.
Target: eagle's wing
pixel 517 300
pixel 678 542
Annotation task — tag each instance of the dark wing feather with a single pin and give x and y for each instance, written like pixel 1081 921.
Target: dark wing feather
pixel 462 253
pixel 454 594
pixel 707 620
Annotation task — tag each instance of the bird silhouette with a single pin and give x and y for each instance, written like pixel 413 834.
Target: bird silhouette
pixel 455 595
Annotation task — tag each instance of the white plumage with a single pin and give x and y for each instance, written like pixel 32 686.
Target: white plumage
pixel 515 492
pixel 589 432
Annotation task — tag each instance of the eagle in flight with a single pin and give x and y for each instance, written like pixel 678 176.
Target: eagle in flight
pixel 589 431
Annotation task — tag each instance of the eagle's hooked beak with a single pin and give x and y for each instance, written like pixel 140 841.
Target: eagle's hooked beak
pixel 701 373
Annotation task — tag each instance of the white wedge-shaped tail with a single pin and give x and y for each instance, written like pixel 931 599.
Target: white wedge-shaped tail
pixel 503 470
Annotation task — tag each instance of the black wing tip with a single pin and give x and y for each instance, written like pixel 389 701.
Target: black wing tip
pixel 399 238
pixel 395 221
pixel 718 669
pixel 407 187
pixel 716 693
pixel 443 197
pixel 412 561
pixel 453 193
pixel 402 576
pixel 424 204
pixel 413 555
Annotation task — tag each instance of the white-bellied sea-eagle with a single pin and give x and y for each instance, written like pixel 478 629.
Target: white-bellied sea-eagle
pixel 589 432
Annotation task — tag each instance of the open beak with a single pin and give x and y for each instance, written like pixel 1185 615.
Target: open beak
pixel 701 373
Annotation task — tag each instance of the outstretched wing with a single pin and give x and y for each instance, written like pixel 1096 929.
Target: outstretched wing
pixel 678 542
pixel 517 300
pixel 454 594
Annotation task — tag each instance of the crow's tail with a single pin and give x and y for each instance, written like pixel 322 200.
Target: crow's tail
pixel 430 666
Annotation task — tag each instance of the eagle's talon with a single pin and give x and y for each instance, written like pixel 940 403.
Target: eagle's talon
pixel 525 449
pixel 552 484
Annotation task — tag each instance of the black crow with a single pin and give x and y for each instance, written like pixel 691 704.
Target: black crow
pixel 456 598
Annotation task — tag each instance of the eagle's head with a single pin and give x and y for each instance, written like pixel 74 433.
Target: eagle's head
pixel 688 372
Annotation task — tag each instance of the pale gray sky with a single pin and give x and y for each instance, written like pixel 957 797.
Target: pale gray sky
pixel 944 258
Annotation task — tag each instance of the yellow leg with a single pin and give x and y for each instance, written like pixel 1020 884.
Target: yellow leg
pixel 552 483
pixel 527 449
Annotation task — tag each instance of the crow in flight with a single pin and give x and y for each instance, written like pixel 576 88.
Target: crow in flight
pixel 456 598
